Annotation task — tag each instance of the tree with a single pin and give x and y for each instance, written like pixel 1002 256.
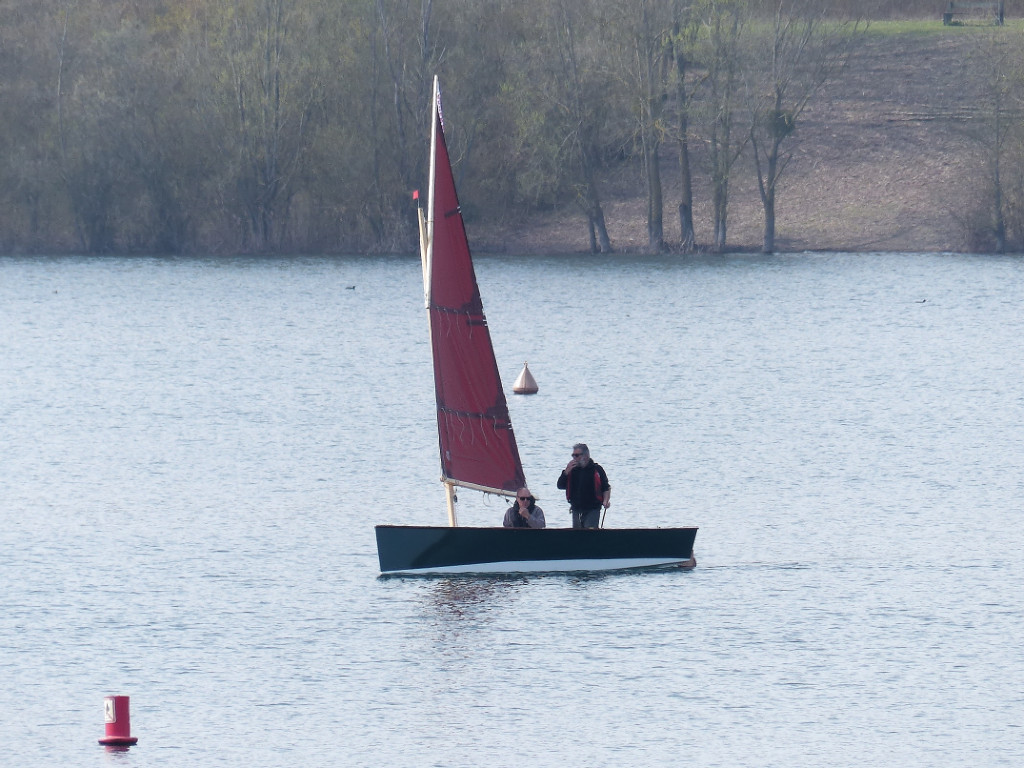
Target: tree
pixel 684 35
pixel 793 58
pixel 410 57
pixel 996 61
pixel 577 89
pixel 485 45
pixel 264 74
pixel 639 44
pixel 31 189
pixel 652 41
pixel 723 29
pixel 91 113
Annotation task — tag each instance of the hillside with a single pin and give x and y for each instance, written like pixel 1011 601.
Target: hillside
pixel 882 162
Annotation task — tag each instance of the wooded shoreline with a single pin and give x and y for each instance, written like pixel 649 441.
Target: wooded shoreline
pixel 253 128
pixel 886 160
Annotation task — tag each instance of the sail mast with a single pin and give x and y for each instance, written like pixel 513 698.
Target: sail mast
pixel 427 224
pixel 427 255
pixel 477 446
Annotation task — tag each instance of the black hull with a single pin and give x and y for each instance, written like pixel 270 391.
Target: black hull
pixel 406 549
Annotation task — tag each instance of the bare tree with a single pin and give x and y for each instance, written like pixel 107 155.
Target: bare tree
pixel 793 58
pixel 91 114
pixel 684 35
pixel 648 55
pixel 273 92
pixel 996 61
pixel 724 26
pixel 410 58
pixel 582 105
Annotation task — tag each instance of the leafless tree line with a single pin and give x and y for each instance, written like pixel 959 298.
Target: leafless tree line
pixel 298 125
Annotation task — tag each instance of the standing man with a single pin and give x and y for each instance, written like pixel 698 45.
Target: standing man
pixel 586 488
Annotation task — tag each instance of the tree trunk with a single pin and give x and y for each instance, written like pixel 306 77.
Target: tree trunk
pixel 591 203
pixel 725 25
pixel 649 52
pixel 687 239
pixel 1000 220
pixel 768 245
pixel 767 182
pixel 595 213
pixel 721 200
pixel 655 205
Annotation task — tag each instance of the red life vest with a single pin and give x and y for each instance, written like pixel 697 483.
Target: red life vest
pixel 598 491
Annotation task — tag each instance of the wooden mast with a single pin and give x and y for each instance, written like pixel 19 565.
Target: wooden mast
pixel 427 259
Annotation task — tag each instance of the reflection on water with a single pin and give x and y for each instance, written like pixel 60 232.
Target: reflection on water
pixel 471 596
pixel 112 750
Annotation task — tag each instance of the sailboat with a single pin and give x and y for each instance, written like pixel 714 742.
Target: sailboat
pixel 477 445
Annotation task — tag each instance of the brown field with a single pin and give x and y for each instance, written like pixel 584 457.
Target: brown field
pixel 882 161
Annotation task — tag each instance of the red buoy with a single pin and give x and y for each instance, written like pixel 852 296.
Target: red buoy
pixel 525 383
pixel 119 724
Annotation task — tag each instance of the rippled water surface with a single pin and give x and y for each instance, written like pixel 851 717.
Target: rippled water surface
pixel 193 454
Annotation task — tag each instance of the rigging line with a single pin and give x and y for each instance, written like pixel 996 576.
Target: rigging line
pixel 498 422
pixel 465 421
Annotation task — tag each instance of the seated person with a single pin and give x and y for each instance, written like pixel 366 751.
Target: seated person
pixel 524 512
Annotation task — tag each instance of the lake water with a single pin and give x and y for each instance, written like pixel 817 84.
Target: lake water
pixel 193 454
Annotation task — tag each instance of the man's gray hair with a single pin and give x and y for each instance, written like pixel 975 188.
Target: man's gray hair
pixel 582 447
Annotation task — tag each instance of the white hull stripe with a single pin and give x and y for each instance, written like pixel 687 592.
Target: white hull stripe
pixel 542 566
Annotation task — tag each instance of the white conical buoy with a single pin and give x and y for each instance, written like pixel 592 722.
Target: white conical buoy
pixel 525 383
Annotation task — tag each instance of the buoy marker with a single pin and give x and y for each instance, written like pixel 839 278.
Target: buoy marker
pixel 119 723
pixel 525 383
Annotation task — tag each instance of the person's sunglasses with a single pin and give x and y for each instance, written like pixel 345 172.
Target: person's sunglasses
pixel 576 455
pixel 526 498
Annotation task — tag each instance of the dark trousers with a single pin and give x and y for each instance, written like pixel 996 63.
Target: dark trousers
pixel 586 518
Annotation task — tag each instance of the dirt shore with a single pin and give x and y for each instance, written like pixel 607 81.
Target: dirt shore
pixel 882 161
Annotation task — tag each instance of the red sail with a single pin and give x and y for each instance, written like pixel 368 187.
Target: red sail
pixel 478 447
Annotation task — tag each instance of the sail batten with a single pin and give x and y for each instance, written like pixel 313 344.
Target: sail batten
pixel 477 444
